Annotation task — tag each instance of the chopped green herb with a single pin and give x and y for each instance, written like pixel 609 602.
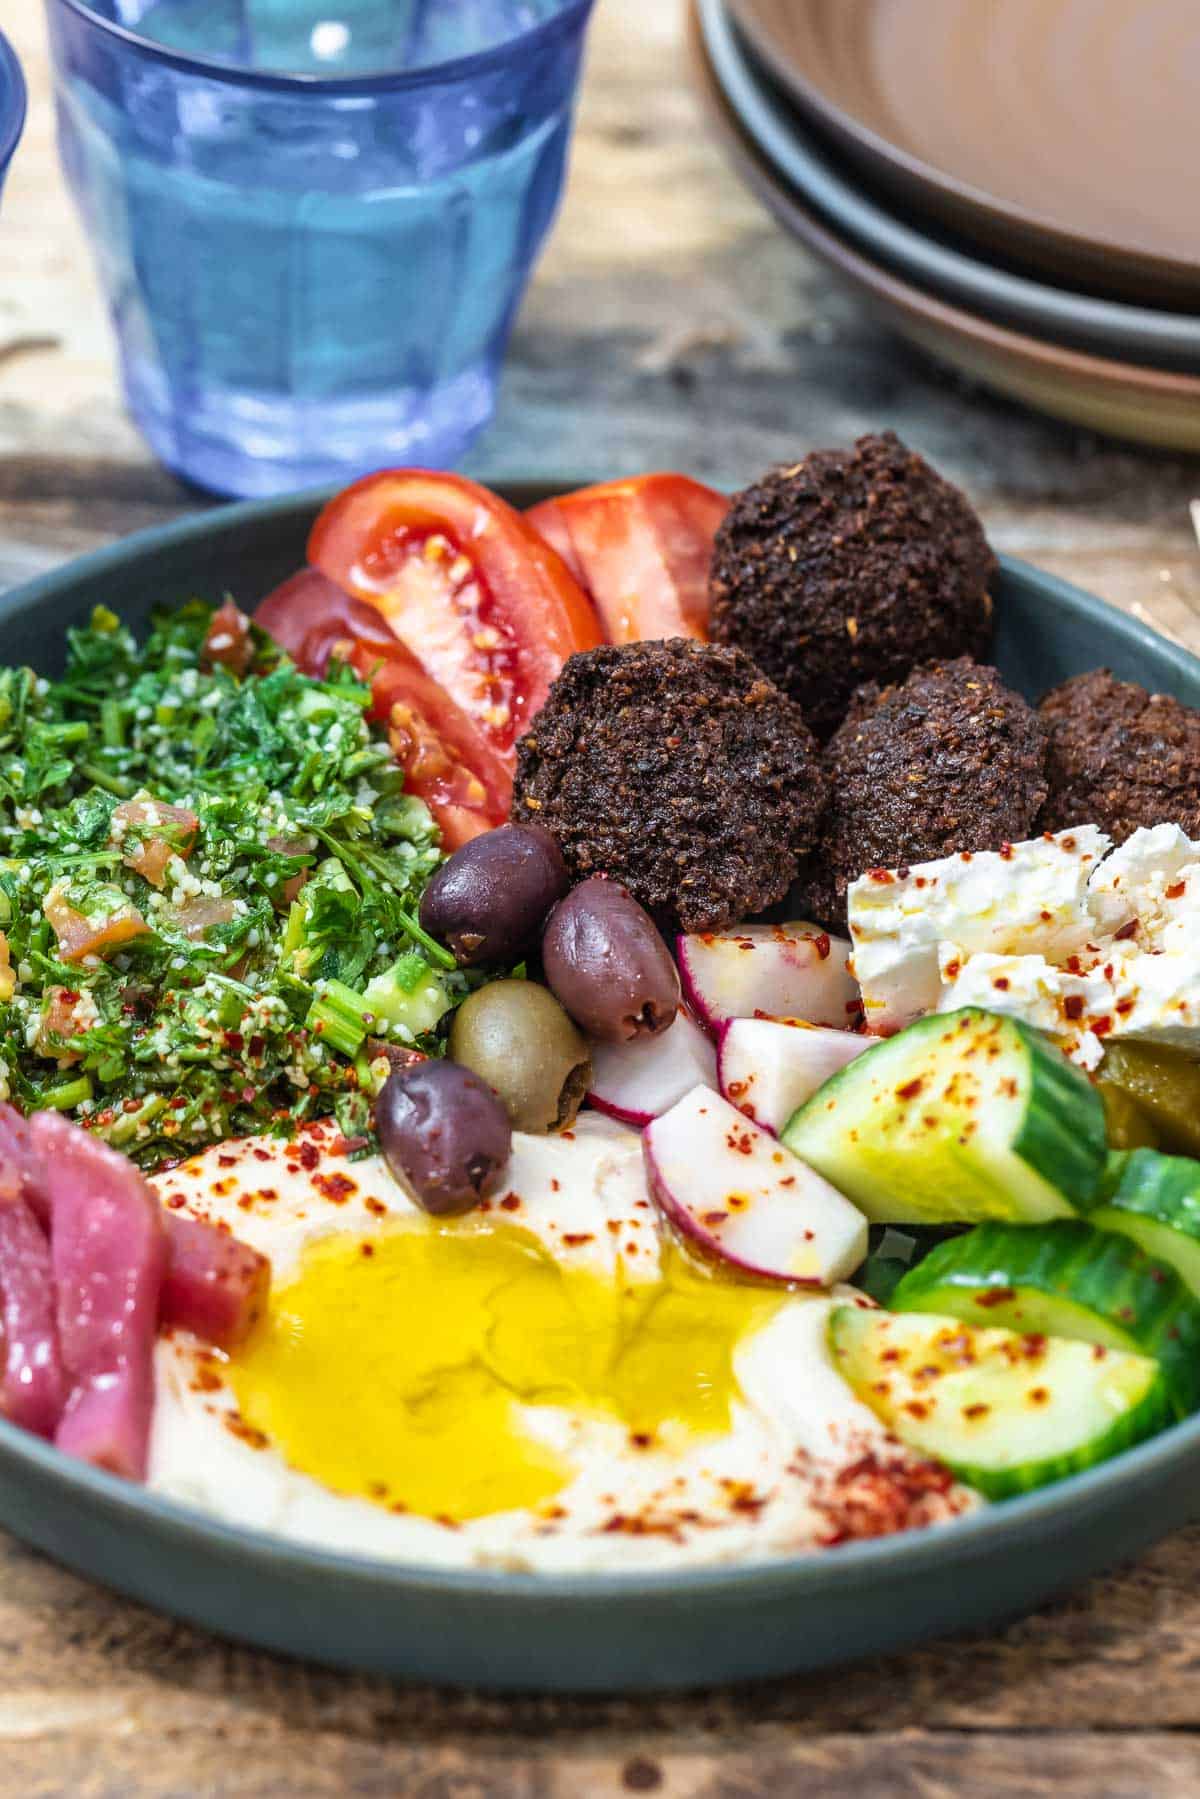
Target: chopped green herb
pixel 208 891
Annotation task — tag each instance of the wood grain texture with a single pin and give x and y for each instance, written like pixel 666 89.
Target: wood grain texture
pixel 669 325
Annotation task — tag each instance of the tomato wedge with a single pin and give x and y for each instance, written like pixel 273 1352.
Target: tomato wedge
pixel 449 761
pixel 642 549
pixel 484 604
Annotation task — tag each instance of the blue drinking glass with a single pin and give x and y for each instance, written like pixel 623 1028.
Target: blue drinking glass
pixel 314 220
pixel 12 105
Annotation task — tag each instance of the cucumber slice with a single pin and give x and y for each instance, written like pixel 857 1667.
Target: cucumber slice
pixel 963 1117
pixel 1155 1200
pixel 1065 1279
pixel 1005 1413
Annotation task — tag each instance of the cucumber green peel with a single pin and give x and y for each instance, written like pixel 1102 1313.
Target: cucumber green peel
pixel 1005 1413
pixel 963 1117
pixel 1155 1201
pixel 1065 1279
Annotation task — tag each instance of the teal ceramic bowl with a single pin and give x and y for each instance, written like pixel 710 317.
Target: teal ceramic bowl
pixel 583 1633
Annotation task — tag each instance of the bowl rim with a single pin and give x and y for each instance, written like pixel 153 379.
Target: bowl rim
pixel 12 120
pixel 1102 326
pixel 569 16
pixel 965 1538
pixel 882 151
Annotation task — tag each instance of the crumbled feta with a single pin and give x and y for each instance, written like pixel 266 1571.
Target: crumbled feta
pixel 1026 898
pixel 1116 956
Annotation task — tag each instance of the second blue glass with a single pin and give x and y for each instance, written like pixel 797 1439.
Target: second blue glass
pixel 313 273
pixel 12 105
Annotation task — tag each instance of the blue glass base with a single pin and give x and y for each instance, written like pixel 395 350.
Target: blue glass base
pixel 250 447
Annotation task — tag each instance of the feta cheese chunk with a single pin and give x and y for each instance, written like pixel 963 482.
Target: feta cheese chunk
pixel 1026 899
pixel 1081 943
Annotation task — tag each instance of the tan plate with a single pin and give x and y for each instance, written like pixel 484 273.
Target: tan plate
pixel 1119 398
pixel 1060 134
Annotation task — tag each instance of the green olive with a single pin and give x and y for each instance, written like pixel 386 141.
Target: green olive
pixel 515 1036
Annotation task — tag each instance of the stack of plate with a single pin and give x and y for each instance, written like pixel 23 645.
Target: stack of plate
pixel 1009 181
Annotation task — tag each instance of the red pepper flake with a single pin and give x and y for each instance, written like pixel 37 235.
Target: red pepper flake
pixel 978 1410
pixel 1126 931
pixel 576 1239
pixel 995 1296
pixel 309 1155
pixel 1177 889
pixel 713 1219
pixel 248 1433
pixel 911 1089
pixel 336 1188
pixel 881 1494
pixel 883 876
pixel 1039 1395
pixel 1102 1026
pixel 1002 983
pixel 953 969
pixel 367 1249
pixel 376 1207
pixel 511 1202
pixel 1073 1006
pixel 1006 852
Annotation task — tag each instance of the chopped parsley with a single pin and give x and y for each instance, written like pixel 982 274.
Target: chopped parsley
pixel 209 880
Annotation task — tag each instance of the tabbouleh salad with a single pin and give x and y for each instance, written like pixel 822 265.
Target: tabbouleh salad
pixel 208 890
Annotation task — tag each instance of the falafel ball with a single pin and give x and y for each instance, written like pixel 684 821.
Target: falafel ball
pixel 951 760
pixel 678 769
pixel 853 566
pixel 1119 757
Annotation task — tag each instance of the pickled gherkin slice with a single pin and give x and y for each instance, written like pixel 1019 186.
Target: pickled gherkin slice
pixel 1164 1085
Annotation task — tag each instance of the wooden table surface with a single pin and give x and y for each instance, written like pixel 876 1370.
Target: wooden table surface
pixel 670 325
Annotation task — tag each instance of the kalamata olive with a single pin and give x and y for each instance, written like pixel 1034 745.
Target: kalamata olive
pixel 605 960
pixel 444 1135
pixel 490 900
pixel 517 1038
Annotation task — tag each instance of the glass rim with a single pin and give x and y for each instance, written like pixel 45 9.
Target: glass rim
pixel 478 62
pixel 12 123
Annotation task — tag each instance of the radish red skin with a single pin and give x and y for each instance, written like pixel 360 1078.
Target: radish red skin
pixel 730 1189
pixel 783 971
pixel 658 1070
pixel 825 1049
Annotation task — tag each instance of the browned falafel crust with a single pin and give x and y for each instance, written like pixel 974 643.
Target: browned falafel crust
pixel 678 769
pixel 951 760
pixel 1119 757
pixel 852 566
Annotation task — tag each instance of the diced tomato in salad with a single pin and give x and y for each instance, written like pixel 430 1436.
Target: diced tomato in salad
pixel 642 549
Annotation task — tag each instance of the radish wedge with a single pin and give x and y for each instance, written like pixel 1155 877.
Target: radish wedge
pixel 767 1070
pixel 736 1194
pixel 769 971
pixel 638 1081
